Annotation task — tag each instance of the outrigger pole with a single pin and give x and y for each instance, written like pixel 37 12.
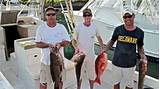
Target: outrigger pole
pixel 70 13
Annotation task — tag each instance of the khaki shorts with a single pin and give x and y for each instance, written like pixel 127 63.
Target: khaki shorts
pixel 123 75
pixel 45 75
pixel 88 68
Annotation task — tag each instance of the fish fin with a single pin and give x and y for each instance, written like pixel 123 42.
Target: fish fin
pixel 97 80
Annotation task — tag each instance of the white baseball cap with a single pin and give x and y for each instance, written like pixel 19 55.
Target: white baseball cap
pixel 127 12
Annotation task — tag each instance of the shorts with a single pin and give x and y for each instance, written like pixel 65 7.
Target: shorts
pixel 88 68
pixel 123 74
pixel 45 76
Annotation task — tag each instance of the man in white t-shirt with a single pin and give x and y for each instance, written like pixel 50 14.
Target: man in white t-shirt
pixel 50 34
pixel 85 34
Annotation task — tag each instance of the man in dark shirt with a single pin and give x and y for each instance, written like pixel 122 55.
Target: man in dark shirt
pixel 128 37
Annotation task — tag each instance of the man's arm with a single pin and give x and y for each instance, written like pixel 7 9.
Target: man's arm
pixel 46 45
pixel 109 45
pixel 102 47
pixel 143 58
pixel 100 41
pixel 141 52
pixel 64 43
pixel 42 45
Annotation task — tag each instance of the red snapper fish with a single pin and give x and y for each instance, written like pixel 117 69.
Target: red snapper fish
pixel 100 66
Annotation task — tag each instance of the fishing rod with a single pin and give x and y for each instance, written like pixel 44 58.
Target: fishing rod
pixel 70 32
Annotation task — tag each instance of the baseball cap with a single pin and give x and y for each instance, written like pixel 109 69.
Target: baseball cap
pixel 87 10
pixel 50 8
pixel 128 12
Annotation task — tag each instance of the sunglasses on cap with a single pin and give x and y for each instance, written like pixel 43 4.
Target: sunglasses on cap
pixel 51 14
pixel 127 16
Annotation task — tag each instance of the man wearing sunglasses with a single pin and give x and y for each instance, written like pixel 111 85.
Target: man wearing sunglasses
pixel 128 37
pixel 85 34
pixel 50 34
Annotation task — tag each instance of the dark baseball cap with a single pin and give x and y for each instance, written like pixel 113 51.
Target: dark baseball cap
pixel 87 10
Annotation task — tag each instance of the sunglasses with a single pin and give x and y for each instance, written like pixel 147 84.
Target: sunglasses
pixel 51 14
pixel 87 15
pixel 129 16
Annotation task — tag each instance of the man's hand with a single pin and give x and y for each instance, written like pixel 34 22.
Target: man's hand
pixel 77 50
pixel 58 45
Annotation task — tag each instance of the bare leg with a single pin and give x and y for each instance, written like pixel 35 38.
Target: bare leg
pixel 91 82
pixel 43 86
pixel 117 86
pixel 79 84
pixel 58 85
pixel 128 88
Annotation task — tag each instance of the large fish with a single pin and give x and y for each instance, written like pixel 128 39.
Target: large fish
pixel 57 64
pixel 78 58
pixel 100 66
pixel 142 73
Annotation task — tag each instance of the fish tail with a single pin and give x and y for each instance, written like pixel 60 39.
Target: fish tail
pixel 97 80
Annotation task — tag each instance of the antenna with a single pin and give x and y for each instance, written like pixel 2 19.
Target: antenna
pixel 23 7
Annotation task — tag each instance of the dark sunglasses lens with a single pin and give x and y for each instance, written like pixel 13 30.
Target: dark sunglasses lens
pixel 51 14
pixel 87 15
pixel 129 16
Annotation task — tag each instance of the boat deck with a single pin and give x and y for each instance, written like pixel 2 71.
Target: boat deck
pixel 9 69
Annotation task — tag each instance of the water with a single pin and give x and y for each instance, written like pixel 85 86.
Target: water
pixel 153 68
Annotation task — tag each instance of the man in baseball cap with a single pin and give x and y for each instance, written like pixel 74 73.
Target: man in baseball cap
pixel 129 38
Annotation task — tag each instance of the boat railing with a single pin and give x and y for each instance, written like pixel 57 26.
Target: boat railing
pixel 32 7
pixel 149 8
pixel 65 18
pixel 23 8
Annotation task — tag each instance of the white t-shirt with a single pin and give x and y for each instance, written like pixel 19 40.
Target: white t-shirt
pixel 86 37
pixel 50 35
